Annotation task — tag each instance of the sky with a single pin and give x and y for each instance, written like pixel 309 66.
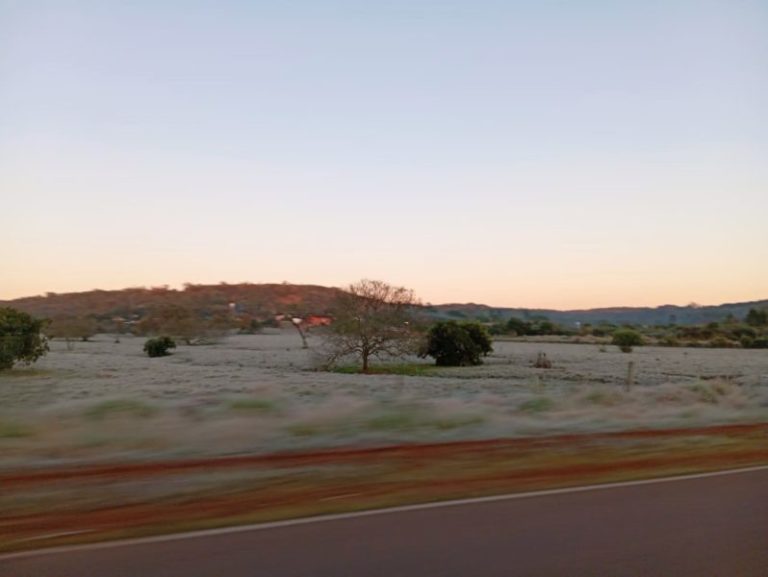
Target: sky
pixel 537 154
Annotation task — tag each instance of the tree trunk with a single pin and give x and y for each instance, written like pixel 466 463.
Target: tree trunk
pixel 302 335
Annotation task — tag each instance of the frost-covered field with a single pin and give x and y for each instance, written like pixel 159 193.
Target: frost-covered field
pixel 260 393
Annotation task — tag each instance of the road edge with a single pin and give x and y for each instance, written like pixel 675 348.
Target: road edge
pixel 368 513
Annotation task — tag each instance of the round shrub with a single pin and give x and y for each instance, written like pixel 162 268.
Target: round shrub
pixel 625 339
pixel 454 344
pixel 158 347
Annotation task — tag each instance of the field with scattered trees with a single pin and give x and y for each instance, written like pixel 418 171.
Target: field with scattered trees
pixel 178 403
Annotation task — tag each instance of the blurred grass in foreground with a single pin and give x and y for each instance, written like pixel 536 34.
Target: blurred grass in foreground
pixel 119 500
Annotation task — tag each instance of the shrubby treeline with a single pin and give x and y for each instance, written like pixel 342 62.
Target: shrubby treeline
pixel 370 319
pixel 751 332
pixel 21 338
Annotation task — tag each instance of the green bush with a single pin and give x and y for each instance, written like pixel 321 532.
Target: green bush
pixel 625 339
pixel 740 331
pixel 757 317
pixel 747 341
pixel 757 343
pixel 454 344
pixel 537 405
pixel 11 430
pixel 518 326
pixel 721 342
pixel 158 347
pixel 20 338
pixel 669 341
pixel 535 326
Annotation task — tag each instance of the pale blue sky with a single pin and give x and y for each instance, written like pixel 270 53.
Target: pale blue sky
pixel 557 154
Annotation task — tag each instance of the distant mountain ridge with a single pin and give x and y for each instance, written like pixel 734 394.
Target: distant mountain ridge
pixel 269 298
pixel 661 315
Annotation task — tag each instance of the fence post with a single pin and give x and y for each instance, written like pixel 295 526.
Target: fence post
pixel 630 375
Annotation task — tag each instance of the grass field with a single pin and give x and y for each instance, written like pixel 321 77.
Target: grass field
pixel 260 394
pixel 101 442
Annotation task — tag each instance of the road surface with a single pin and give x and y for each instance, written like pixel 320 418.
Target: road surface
pixel 700 527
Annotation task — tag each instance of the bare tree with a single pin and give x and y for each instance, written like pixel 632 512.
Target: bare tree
pixel 183 323
pixel 371 319
pixel 72 328
pixel 297 322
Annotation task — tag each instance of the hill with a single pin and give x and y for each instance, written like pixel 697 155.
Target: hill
pixel 255 299
pixel 263 300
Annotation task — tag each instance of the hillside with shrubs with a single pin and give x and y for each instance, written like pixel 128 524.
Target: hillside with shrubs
pixel 199 310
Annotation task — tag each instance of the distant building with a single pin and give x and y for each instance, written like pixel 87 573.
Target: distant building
pixel 317 321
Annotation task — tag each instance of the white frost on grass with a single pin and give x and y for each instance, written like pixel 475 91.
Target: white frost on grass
pixel 258 394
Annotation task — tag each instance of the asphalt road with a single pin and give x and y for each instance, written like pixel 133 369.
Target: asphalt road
pixel 703 527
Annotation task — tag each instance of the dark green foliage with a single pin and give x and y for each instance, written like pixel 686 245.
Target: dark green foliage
pixel 739 332
pixel 158 346
pixel 517 326
pixel 669 341
pixel 20 338
pixel 625 339
pixel 546 327
pixel 747 342
pixel 699 333
pixel 479 335
pixel 760 343
pixel 454 344
pixel 757 317
pixel 497 329
pixel 535 325
pixel 730 334
pixel 251 326
pixel 603 329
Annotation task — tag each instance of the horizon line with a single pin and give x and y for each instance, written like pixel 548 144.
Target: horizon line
pixel 186 285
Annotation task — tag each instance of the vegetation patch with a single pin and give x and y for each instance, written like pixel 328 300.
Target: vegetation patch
pixel 308 429
pixel 404 369
pixel 705 393
pixel 457 422
pixel 603 398
pixel 626 339
pixel 12 430
pixel 253 405
pixel 537 405
pixel 121 407
pixel 410 420
pixel 454 344
pixel 21 338
pixel 26 372
pixel 159 346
